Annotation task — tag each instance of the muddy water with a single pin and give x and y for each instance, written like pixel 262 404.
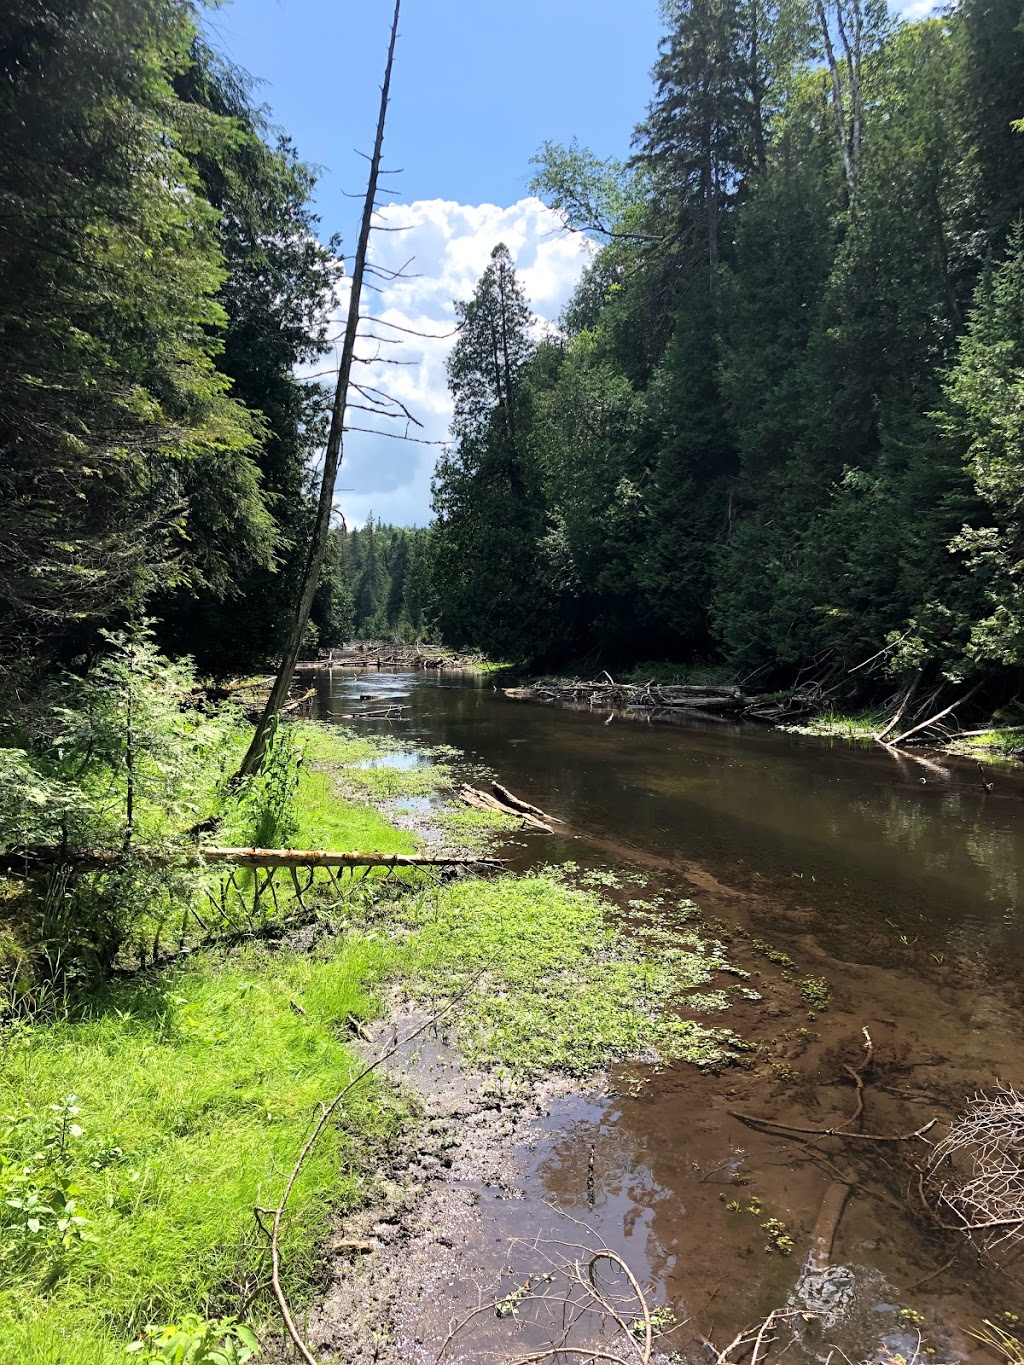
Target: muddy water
pixel 898 880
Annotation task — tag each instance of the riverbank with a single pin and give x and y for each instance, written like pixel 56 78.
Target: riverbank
pixel 705 693
pixel 637 1043
pixel 148 1120
pixel 1006 743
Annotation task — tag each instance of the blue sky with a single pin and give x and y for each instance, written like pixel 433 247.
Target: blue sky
pixel 478 86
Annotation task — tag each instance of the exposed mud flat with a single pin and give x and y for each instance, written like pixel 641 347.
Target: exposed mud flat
pixel 446 1207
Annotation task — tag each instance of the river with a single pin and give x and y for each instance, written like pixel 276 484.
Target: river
pixel 897 879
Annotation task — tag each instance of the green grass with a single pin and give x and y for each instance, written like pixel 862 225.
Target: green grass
pixel 195 1092
pixel 361 769
pixel 194 1088
pixel 994 743
pixel 835 724
pixel 326 819
pixel 560 988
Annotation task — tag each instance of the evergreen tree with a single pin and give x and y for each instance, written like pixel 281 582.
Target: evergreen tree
pixel 985 417
pixel 488 576
pixel 121 448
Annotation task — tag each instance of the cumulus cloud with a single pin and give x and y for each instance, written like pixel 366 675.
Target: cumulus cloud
pixel 450 245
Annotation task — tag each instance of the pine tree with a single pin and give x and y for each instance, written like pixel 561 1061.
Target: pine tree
pixel 487 498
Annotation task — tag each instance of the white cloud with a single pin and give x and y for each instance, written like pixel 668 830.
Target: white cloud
pixel 450 245
pixel 917 9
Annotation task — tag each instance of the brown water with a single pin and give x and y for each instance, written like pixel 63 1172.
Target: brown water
pixel 897 879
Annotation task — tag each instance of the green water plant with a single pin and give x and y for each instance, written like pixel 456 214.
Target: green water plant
pixel 560 985
pixel 816 993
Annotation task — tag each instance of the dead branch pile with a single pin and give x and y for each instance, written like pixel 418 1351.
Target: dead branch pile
pixel 722 701
pixel 977 1169
pixel 391 656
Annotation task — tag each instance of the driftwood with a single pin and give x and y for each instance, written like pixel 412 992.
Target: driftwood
pixel 990 729
pixel 392 656
pixel 826 1226
pixel 388 713
pixel 254 712
pixel 27 860
pixel 933 720
pixel 698 700
pixel 479 800
pixel 901 710
pixel 523 807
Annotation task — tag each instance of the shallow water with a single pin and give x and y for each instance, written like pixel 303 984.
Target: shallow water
pixel 899 879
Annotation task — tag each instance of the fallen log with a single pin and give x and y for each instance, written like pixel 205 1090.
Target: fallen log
pixel 989 730
pixel 693 702
pixel 523 807
pixel 700 690
pixel 823 1234
pixel 479 800
pixel 253 713
pixel 932 720
pixel 21 861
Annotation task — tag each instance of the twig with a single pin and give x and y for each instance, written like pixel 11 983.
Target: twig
pixel 307 1147
pixel 756 1121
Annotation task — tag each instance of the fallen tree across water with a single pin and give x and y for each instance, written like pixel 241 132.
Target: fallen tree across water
pixel 721 701
pixel 22 861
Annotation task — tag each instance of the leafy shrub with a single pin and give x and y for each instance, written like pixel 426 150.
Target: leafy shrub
pixel 195 1341
pixel 39 1215
pixel 120 759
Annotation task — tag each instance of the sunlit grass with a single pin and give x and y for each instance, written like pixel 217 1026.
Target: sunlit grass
pixel 195 1092
pixel 838 725
pixel 195 1087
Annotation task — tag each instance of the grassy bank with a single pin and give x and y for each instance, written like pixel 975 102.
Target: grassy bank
pixel 994 744
pixel 143 1124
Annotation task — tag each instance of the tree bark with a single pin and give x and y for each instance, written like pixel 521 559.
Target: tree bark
pixel 97 859
pixel 333 454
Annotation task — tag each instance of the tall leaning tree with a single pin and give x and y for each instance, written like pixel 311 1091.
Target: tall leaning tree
pixel 335 442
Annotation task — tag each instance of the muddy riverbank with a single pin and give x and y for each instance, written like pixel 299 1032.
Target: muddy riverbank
pixel 716 1216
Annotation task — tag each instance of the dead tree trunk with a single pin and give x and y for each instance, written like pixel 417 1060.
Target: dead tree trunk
pixel 848 105
pixel 333 454
pixel 24 861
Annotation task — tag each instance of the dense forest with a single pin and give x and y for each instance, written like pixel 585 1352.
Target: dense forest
pixel 161 281
pixel 782 422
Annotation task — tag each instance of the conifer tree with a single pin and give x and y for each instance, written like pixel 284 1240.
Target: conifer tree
pixel 488 576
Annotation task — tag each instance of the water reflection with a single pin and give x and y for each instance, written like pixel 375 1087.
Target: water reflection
pixel 850 833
